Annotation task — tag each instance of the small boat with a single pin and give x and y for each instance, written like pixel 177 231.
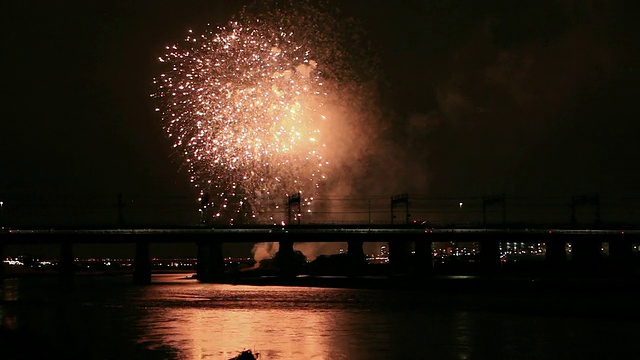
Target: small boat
pixel 246 355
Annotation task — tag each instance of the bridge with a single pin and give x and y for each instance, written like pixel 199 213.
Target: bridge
pixel 410 246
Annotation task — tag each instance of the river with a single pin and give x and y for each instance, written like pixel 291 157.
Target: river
pixel 107 317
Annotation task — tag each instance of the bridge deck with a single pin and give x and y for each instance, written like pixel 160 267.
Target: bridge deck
pixel 309 234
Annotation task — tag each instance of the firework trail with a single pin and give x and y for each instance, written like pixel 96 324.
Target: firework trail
pixel 250 108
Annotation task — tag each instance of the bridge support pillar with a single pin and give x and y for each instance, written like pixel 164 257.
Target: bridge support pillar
pixel 1 267
pixel 621 257
pixel 423 257
pixel 142 264
pixel 555 259
pixel 286 259
pixel 586 256
pixel 489 256
pixel 400 257
pixel 210 266
pixel 356 257
pixel 66 263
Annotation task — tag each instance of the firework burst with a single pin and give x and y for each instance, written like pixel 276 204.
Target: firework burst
pixel 245 106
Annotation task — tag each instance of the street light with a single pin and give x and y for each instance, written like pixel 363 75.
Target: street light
pixel 1 207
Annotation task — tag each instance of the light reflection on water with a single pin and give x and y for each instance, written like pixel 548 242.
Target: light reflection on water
pixel 204 332
pixel 277 322
pixel 108 318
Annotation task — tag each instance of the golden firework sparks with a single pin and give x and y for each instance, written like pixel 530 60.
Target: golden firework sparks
pixel 244 105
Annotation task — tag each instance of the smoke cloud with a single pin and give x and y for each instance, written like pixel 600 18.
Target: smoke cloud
pixel 268 250
pixel 523 99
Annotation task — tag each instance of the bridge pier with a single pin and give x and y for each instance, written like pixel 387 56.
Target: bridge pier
pixel 142 264
pixel 66 263
pixel 400 257
pixel 210 267
pixel 1 267
pixel 423 256
pixel 489 256
pixel 586 256
pixel 620 262
pixel 286 259
pixel 555 258
pixel 356 258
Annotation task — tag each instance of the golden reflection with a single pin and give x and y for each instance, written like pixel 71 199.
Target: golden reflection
pixel 209 331
pixel 8 292
pixel 463 334
pixel 11 290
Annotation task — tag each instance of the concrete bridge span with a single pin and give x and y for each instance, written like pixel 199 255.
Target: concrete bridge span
pixel 410 248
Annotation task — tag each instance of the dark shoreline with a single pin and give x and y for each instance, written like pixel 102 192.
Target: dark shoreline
pixel 570 286
pixel 459 283
pixel 567 297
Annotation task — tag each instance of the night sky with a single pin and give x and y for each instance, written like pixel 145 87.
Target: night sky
pixel 533 99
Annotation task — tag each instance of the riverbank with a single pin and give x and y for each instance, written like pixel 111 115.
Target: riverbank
pixel 20 272
pixel 457 284
pixel 581 297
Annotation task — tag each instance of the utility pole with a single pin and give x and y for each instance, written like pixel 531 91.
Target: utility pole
pixel 294 199
pixel 120 210
pixel 585 200
pixel 399 199
pixel 204 204
pixel 491 200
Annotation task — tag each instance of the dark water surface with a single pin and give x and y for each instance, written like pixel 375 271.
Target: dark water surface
pixel 174 318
